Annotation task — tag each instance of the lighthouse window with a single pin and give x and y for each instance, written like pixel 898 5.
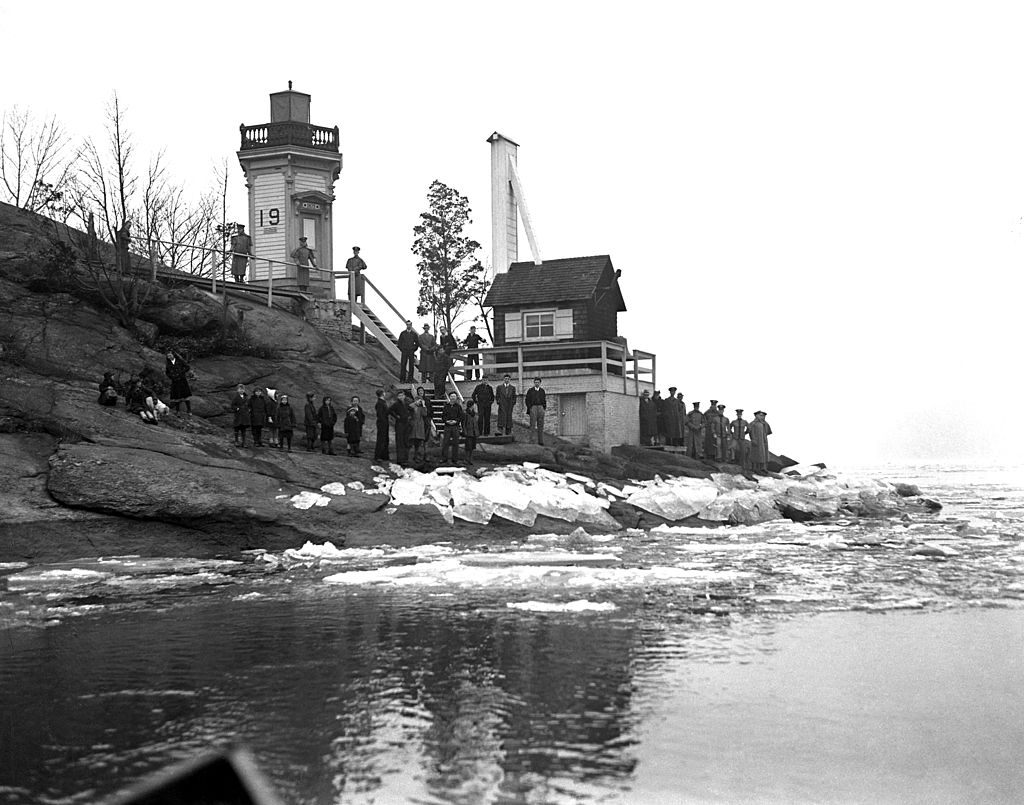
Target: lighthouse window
pixel 539 325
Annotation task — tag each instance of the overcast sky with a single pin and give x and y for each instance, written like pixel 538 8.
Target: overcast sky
pixel 816 207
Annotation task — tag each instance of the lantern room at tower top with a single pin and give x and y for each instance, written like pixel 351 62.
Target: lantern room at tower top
pixel 290 168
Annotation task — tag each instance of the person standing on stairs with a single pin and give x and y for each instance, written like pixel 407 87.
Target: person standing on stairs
pixel 408 343
pixel 427 346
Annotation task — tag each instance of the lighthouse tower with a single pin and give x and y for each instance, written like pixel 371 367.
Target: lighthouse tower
pixel 290 169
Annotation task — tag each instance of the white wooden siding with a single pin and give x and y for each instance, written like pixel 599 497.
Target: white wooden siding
pixel 305 182
pixel 267 240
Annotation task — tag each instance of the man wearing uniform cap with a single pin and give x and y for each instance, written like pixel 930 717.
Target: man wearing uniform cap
pixel 759 431
pixel 695 432
pixel 709 429
pixel 722 435
pixel 738 430
pixel 304 258
pixel 355 266
pixel 672 418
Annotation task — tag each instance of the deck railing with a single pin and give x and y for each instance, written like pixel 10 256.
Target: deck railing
pixel 612 359
pixel 290 132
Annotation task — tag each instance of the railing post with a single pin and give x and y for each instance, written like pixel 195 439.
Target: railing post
pixel 654 372
pixel 604 365
pixel 625 372
pixel 520 359
pixel 270 284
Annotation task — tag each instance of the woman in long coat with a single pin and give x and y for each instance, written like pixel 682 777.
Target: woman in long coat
pixel 427 346
pixel 419 430
pixel 328 419
pixel 177 371
pixel 259 415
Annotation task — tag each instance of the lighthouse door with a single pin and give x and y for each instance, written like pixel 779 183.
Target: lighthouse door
pixel 573 414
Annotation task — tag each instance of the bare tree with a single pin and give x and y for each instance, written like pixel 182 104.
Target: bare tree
pixel 35 161
pixel 108 181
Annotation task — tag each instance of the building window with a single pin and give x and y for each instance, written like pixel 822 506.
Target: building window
pixel 539 325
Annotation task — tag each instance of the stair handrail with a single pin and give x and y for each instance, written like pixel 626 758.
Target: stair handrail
pixel 386 301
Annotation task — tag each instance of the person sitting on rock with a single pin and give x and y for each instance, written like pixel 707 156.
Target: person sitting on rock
pixel 259 415
pixel 354 419
pixel 177 372
pixel 328 418
pixel 284 418
pixel 243 419
pixel 140 401
pixel 108 390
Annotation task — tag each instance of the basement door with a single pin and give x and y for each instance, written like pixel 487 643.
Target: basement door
pixel 573 410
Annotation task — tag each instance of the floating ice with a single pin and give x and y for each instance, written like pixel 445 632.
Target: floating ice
pixel 581 605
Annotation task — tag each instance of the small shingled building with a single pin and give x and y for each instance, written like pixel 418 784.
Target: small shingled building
pixel 558 320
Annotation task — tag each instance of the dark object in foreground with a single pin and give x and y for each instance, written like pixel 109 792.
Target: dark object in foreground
pixel 218 778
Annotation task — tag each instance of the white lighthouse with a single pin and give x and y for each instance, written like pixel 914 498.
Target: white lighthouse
pixel 290 168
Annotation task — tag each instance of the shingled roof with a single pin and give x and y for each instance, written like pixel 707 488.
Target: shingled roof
pixel 571 279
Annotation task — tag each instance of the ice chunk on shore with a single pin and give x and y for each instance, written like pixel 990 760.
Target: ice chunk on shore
pixel 306 500
pixel 336 488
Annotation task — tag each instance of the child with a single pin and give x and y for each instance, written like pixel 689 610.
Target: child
pixel 328 418
pixel 285 419
pixel 240 406
pixel 354 419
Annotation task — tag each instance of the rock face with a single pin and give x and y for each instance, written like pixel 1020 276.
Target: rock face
pixel 79 479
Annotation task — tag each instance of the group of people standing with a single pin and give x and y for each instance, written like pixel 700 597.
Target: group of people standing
pixel 271 410
pixel 409 414
pixel 706 434
pixel 435 354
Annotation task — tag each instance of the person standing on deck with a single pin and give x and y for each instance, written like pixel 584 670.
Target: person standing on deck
pixel 304 258
pixel 738 430
pixel 427 344
pixel 355 266
pixel 695 432
pixel 408 343
pixel 759 431
pixel 473 341
pixel 506 395
pixel 381 450
pixel 537 404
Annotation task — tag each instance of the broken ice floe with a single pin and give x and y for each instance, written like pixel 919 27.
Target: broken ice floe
pixel 581 605
pixel 522 492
